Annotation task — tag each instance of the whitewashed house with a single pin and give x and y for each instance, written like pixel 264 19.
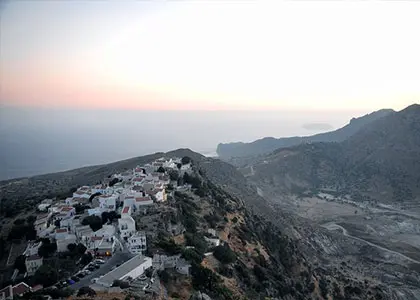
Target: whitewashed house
pixel 32 248
pixel 136 243
pixel 108 202
pixel 126 226
pixel 129 201
pixel 126 211
pixel 212 241
pixel 44 206
pixel 40 225
pixel 141 202
pixel 63 239
pixel 66 212
pixel 33 263
pixel 159 194
pixel 186 167
pixel 82 193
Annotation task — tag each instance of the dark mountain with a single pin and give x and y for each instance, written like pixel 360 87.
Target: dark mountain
pixel 380 162
pixel 269 144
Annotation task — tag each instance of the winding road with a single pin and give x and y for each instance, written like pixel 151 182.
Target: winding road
pixel 334 226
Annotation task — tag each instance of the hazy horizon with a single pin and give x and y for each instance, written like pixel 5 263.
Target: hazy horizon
pixel 41 140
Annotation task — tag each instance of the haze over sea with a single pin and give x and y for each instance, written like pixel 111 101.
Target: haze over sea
pixel 44 140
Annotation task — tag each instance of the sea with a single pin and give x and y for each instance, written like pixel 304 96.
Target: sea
pixel 44 140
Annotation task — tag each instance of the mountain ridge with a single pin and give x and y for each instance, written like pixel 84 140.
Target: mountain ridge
pixel 269 144
pixel 381 161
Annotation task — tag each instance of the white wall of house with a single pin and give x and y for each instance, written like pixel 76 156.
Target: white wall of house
pixel 32 265
pixel 212 241
pixel 62 244
pixel 126 226
pixel 136 244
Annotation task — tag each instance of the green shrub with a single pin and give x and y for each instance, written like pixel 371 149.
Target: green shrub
pixel 224 254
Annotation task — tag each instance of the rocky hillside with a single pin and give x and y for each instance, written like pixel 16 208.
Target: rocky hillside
pixel 268 253
pixel 269 144
pixel 380 162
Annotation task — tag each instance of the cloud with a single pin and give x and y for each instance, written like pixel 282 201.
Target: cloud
pixel 317 126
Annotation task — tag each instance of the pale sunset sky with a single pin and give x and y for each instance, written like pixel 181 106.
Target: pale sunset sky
pixel 205 55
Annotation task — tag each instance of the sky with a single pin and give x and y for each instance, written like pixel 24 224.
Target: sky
pixel 203 55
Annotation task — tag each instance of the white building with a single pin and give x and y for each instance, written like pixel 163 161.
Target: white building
pixel 138 181
pixel 186 167
pixel 132 268
pixel 126 226
pixel 106 231
pixel 129 201
pixel 126 211
pixel 159 194
pixel 43 206
pixel 212 241
pixel 32 248
pixel 182 266
pixel 40 224
pixel 161 261
pixel 83 233
pixel 105 246
pixel 212 232
pixel 97 211
pixel 63 239
pixel 136 243
pixel 139 171
pixel 65 212
pixel 108 202
pixel 82 193
pixel 142 201
pixel 171 164
pixel 33 263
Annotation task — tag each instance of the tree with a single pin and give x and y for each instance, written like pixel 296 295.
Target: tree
pixel 197 241
pixel 164 276
pixel 185 160
pixel 161 169
pixel 30 232
pixel 47 248
pixel 104 217
pixel 224 254
pixel 169 246
pixel 2 247
pixel 112 215
pixel 173 175
pixel 46 275
pixel 203 278
pixel 81 249
pixel 192 255
pixel 113 181
pixel 80 208
pixel 86 258
pixel 179 166
pixel 30 219
pixel 19 222
pixel 85 290
pixel 94 222
pixel 93 196
pixel 17 232
pixel 20 263
pixel 71 247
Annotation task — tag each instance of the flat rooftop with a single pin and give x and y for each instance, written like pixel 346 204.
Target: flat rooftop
pixel 123 270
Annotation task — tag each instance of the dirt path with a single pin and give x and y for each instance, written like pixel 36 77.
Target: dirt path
pixel 333 226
